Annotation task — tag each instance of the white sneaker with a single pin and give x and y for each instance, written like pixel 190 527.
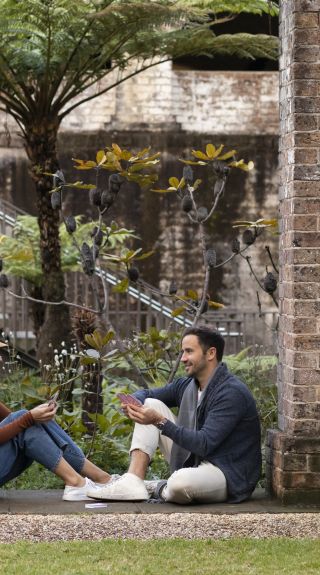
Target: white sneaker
pixel 78 493
pixel 128 488
pixel 114 478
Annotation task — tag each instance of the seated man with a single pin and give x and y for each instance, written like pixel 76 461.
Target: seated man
pixel 213 445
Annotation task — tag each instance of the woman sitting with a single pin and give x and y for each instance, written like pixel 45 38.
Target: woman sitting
pixel 27 436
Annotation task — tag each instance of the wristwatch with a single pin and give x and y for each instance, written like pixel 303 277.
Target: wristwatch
pixel 161 424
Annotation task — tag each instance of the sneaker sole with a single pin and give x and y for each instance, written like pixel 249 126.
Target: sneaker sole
pixel 75 498
pixel 114 498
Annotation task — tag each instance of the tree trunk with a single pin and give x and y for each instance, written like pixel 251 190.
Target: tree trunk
pixel 41 139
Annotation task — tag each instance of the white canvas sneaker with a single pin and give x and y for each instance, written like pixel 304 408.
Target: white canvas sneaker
pixel 128 488
pixel 78 493
pixel 114 477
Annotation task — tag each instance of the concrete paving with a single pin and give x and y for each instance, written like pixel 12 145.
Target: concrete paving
pixel 49 502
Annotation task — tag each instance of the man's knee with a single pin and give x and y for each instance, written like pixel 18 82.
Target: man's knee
pixel 154 403
pixel 179 488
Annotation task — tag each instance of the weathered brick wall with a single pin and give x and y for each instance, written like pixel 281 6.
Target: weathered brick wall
pixel 295 451
pixel 163 98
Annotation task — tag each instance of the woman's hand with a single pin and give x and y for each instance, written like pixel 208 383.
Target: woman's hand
pixel 143 415
pixel 44 412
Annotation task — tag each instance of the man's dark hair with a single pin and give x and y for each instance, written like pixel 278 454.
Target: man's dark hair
pixel 207 338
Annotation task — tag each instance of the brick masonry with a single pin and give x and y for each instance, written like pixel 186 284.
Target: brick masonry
pixel 164 98
pixel 293 452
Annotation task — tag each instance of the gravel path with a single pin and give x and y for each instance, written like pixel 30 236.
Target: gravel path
pixel 178 525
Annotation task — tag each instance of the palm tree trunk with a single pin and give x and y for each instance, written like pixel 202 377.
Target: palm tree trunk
pixel 41 139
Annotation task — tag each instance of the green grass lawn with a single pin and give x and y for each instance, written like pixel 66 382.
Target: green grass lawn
pixel 228 557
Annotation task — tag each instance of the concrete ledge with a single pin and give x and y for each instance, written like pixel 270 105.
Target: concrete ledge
pixel 49 502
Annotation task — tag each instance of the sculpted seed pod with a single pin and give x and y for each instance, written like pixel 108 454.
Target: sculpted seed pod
pixel 98 238
pixel 107 198
pixel 187 174
pixel 248 237
pixel 95 251
pixel 270 283
pixel 94 231
pixel 133 274
pixel 4 282
pixel 58 179
pixel 218 186
pixel 71 224
pixel 95 197
pixel 115 183
pixel 211 258
pixel 56 200
pixel 202 213
pixel 187 204
pixel 173 288
pixel 235 246
pixel 87 259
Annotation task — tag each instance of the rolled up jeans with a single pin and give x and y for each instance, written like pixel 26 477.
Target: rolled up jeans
pixel 203 484
pixel 45 443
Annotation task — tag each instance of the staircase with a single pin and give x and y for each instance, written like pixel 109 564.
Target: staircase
pixel 137 310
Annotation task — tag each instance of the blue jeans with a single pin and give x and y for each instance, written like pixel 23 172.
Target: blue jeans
pixel 45 443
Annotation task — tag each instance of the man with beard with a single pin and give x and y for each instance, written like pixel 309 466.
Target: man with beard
pixel 213 446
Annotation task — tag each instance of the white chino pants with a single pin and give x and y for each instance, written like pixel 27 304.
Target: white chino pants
pixel 204 484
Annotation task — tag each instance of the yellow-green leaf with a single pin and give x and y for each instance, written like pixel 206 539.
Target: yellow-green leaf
pixel 199 154
pixel 117 150
pixel 197 184
pixel 174 182
pixel 192 294
pixel 108 337
pixel 191 163
pixel 215 305
pixel 122 286
pixel 210 150
pixel 218 151
pixel 101 157
pixel 227 155
pixel 178 311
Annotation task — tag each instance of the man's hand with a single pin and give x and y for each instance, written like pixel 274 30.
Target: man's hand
pixel 44 412
pixel 143 415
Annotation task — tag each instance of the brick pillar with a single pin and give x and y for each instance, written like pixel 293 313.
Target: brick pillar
pixel 293 451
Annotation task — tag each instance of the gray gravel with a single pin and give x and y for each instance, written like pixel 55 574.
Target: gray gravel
pixel 178 525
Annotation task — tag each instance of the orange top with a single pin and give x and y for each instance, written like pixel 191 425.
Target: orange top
pixel 12 429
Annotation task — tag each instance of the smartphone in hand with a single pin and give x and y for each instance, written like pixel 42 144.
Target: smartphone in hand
pixel 128 399
pixel 54 398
